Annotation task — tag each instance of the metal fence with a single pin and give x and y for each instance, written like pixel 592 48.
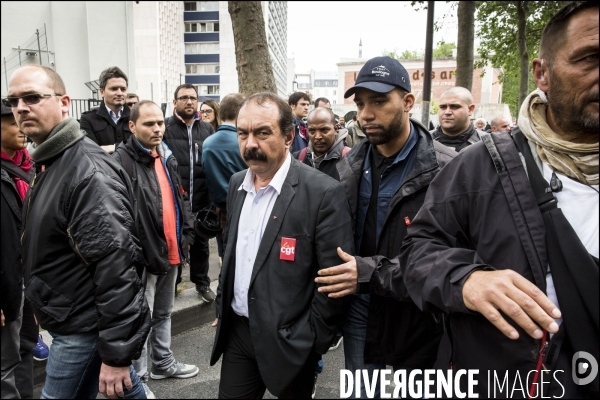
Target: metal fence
pixel 79 106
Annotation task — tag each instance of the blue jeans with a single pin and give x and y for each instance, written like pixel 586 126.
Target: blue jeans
pixel 355 336
pixel 73 369
pixel 160 294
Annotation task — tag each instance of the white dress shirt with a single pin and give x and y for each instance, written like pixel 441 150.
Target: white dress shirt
pixel 251 227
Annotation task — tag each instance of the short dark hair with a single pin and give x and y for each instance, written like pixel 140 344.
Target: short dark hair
pixel 230 106
pixel 333 120
pixel 109 73
pixel 296 97
pixel 553 36
pixel 185 86
pixel 286 119
pixel 135 110
pixel 321 100
pixel 132 95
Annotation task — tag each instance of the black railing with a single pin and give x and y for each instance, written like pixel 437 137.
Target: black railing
pixel 79 106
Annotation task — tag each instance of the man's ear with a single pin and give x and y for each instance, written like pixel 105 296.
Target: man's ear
pixel 132 127
pixel 289 139
pixel 409 101
pixel 471 109
pixel 540 73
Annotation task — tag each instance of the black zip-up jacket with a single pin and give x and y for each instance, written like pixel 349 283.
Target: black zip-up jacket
pixel 100 127
pixel 12 269
pixel 398 333
pixel 188 152
pixel 79 245
pixel 479 219
pixel 149 203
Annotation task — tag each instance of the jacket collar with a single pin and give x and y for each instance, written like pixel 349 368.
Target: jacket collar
pixel 63 136
pixel 103 112
pixel 142 154
pixel 180 120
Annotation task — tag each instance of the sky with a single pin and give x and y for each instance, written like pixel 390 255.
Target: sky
pixel 322 32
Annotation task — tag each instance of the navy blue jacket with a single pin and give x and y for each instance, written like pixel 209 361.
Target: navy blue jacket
pixel 299 142
pixel 221 159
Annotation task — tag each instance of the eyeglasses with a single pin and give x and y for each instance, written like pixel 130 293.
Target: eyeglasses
pixel 131 104
pixel 188 98
pixel 28 99
pixel 209 111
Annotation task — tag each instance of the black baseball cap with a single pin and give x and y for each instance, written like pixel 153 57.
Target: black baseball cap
pixel 6 110
pixel 381 74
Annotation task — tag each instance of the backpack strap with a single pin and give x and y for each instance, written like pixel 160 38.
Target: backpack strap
pixel 302 154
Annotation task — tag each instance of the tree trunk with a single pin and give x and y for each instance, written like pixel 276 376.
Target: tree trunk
pixel 255 73
pixel 522 14
pixel 464 45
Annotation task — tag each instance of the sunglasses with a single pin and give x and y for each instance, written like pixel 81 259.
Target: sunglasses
pixel 131 104
pixel 188 98
pixel 28 99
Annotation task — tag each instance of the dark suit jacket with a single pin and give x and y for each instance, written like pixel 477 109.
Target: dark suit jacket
pixel 289 319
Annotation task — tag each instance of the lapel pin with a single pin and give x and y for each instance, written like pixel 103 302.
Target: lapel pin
pixel 274 216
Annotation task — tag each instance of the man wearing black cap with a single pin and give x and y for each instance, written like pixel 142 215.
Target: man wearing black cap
pixel 386 179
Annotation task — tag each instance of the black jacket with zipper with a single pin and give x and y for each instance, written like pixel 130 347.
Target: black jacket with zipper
pixel 149 203
pixel 101 128
pixel 398 333
pixel 79 246
pixel 188 152
pixel 12 268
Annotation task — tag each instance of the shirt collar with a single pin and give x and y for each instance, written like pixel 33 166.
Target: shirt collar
pixel 112 113
pixel 277 181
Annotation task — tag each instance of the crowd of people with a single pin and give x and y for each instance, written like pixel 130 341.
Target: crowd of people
pixel 461 247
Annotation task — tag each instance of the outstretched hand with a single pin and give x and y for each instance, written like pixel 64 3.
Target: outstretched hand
pixel 341 280
pixel 489 292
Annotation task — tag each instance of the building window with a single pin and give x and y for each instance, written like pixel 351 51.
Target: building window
pixel 202 48
pixel 190 5
pixel 192 27
pixel 335 92
pixel 207 90
pixel 209 6
pixel 326 83
pixel 201 69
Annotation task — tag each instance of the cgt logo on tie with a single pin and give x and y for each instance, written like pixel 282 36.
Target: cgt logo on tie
pixel 288 249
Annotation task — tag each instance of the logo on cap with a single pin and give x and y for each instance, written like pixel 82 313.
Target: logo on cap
pixel 380 71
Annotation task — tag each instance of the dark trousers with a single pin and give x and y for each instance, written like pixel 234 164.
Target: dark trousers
pixel 199 253
pixel 240 376
pixel 28 338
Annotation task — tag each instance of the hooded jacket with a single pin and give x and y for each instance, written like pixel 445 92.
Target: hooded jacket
pixel 146 187
pixel 398 333
pixel 188 152
pixel 79 245
pixel 327 162
pixel 101 128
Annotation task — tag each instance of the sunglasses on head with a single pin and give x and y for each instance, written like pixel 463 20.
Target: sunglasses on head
pixel 28 99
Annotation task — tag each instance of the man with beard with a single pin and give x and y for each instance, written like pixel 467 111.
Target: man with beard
pixel 185 132
pixel 385 178
pixel 455 129
pixel 501 248
pixel 285 221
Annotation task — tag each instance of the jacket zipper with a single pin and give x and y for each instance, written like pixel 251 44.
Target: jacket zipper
pixel 28 206
pixel 76 247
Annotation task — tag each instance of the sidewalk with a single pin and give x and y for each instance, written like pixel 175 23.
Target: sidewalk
pixel 189 310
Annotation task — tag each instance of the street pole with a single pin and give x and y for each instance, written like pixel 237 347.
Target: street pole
pixel 428 60
pixel 37 32
pixel 5 73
